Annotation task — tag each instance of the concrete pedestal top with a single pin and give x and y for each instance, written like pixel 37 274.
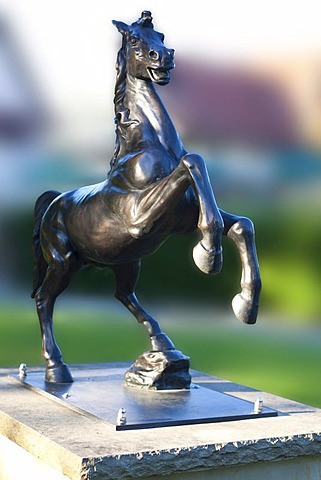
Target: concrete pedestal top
pixel 82 447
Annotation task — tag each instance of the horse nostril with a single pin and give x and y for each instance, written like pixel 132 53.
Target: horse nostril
pixel 153 55
pixel 171 52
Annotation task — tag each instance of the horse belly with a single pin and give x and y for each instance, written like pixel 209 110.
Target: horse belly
pixel 96 231
pixel 106 241
pixel 96 239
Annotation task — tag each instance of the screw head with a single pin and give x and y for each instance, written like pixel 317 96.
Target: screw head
pixel 121 417
pixel 22 370
pixel 258 406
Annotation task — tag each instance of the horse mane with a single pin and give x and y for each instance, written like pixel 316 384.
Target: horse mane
pixel 122 113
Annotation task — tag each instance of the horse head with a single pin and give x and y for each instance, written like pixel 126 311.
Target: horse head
pixel 147 58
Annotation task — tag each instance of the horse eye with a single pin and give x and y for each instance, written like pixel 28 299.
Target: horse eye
pixel 133 41
pixel 162 38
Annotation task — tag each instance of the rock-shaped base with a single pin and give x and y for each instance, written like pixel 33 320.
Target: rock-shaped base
pixel 166 370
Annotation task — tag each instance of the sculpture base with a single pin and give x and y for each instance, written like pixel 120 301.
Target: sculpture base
pixel 102 394
pixel 167 370
pixel 81 446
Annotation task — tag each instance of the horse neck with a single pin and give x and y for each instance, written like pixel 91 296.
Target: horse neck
pixel 151 119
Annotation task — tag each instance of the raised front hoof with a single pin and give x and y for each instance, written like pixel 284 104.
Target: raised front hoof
pixel 58 374
pixel 208 261
pixel 244 309
pixel 161 342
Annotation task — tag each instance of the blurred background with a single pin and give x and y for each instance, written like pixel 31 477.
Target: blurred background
pixel 246 94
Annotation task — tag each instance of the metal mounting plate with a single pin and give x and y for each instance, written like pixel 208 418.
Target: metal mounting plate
pixel 101 393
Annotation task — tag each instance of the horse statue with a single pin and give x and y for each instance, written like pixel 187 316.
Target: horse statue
pixel 154 189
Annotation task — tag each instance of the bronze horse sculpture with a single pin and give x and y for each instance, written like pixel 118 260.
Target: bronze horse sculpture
pixel 154 189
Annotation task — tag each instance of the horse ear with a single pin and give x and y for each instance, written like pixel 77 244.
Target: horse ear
pixel 121 26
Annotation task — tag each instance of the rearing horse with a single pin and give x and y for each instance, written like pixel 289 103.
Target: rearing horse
pixel 153 189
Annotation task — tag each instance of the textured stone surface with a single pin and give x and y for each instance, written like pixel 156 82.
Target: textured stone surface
pixel 88 448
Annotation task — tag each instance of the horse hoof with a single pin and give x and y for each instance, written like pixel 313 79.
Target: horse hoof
pixel 161 342
pixel 208 261
pixel 58 374
pixel 245 310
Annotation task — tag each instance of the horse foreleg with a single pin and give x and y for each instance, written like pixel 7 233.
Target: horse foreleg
pixel 126 279
pixel 164 196
pixel 156 200
pixel 207 253
pixel 241 231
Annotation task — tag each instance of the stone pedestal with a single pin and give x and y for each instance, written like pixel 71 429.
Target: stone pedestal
pixel 44 434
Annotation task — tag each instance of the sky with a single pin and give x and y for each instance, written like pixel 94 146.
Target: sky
pixel 71 44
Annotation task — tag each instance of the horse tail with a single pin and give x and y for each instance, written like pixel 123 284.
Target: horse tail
pixel 40 264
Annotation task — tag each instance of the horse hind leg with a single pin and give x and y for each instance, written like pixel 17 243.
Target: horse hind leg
pixel 39 269
pixel 246 303
pixel 57 278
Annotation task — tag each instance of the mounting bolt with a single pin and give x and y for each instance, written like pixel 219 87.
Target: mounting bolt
pixel 258 406
pixel 22 370
pixel 121 417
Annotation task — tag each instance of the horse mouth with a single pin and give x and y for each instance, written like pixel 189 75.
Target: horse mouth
pixel 159 75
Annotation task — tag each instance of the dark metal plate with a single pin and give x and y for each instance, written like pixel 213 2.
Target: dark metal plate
pixel 101 393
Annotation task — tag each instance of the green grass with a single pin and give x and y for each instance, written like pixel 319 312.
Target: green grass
pixel 284 362
pixel 279 363
pixel 82 336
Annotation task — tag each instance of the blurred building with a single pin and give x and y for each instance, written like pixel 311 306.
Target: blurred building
pixel 24 119
pixel 275 103
pixel 23 115
pixel 299 76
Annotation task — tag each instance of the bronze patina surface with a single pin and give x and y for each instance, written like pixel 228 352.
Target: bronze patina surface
pixel 154 189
